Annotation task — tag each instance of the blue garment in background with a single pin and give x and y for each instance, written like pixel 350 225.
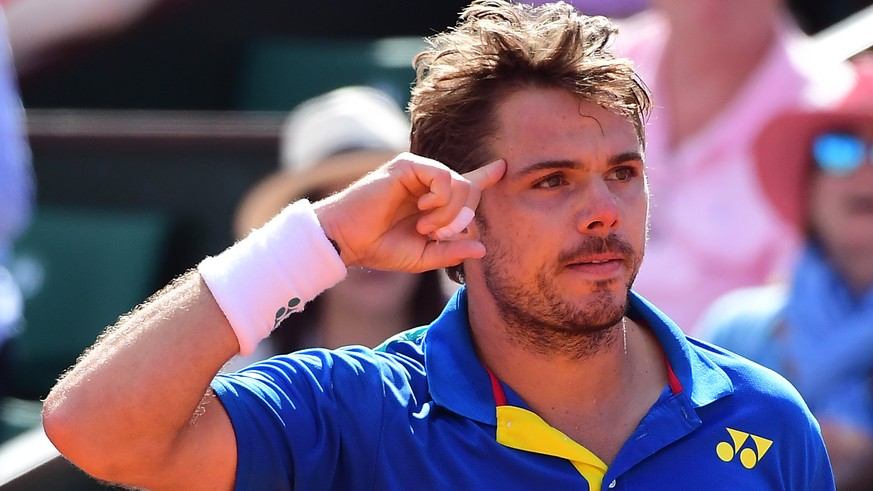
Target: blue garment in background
pixel 815 332
pixel 16 184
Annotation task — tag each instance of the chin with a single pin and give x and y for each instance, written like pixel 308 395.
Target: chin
pixel 611 308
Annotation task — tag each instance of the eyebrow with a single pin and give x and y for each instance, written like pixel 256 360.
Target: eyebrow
pixel 615 160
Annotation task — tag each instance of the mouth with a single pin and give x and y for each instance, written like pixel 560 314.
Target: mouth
pixel 598 258
pixel 860 204
pixel 598 267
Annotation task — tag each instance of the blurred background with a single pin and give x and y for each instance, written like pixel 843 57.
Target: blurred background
pixel 148 122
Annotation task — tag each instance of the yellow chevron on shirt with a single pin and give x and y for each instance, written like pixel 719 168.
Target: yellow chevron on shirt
pixel 749 457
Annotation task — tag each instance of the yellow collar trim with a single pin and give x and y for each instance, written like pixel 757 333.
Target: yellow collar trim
pixel 523 430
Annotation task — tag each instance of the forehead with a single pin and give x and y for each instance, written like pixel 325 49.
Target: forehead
pixel 550 123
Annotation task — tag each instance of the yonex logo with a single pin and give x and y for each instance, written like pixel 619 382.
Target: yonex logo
pixel 284 312
pixel 749 457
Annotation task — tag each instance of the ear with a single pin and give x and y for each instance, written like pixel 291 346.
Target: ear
pixel 472 230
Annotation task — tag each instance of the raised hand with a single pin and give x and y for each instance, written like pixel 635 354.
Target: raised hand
pixel 408 215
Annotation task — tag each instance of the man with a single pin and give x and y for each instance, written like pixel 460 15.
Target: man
pixel 817 328
pixel 543 371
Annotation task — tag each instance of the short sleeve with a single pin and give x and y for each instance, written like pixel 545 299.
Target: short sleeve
pixel 297 417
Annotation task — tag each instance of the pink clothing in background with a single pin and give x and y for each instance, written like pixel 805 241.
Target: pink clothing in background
pixel 608 8
pixel 711 228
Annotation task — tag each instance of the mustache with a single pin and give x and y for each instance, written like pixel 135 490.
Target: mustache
pixel 612 243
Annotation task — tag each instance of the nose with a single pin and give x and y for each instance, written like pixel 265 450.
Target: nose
pixel 598 211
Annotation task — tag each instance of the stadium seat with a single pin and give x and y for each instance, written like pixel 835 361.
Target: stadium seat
pixel 79 270
pixel 279 73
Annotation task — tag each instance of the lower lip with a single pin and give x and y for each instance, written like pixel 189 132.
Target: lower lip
pixel 864 208
pixel 601 271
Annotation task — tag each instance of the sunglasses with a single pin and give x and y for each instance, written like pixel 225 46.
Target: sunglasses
pixel 840 153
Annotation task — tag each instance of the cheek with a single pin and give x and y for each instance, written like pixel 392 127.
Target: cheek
pixel 822 203
pixel 512 240
pixel 506 216
pixel 828 216
pixel 635 213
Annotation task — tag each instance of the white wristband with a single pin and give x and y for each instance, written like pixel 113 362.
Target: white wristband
pixel 272 273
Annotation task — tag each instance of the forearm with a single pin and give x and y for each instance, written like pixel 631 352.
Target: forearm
pixel 132 395
pixel 126 412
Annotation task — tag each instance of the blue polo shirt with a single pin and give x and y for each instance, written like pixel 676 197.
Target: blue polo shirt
pixel 422 414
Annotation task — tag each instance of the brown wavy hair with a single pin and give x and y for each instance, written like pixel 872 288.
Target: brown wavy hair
pixel 499 47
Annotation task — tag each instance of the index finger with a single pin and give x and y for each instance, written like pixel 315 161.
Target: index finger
pixel 488 174
pixel 478 180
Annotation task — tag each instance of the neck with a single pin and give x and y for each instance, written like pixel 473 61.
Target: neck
pixel 853 267
pixel 569 380
pixel 858 279
pixel 598 400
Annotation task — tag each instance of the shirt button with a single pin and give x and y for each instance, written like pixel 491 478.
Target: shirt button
pixel 612 484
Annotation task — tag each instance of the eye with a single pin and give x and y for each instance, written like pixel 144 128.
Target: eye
pixel 550 181
pixel 623 173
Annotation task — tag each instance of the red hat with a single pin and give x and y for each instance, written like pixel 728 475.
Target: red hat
pixel 782 150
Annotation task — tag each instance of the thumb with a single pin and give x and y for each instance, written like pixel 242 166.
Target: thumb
pixel 442 254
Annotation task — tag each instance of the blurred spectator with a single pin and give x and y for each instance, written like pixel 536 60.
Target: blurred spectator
pixel 16 195
pixel 195 54
pixel 608 8
pixel 39 28
pixel 718 71
pixel 329 141
pixel 816 168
